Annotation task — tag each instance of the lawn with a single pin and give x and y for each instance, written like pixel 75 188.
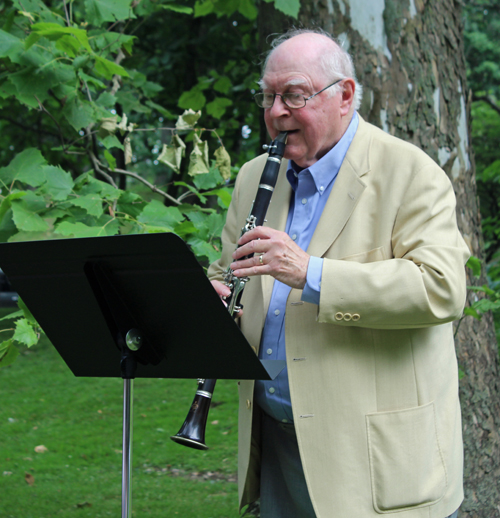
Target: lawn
pixel 61 441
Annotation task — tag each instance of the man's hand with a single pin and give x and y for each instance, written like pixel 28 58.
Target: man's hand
pixel 276 254
pixel 221 289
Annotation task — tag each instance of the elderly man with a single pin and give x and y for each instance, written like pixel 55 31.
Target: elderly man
pixel 355 280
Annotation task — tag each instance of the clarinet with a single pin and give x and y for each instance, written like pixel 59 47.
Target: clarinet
pixel 192 432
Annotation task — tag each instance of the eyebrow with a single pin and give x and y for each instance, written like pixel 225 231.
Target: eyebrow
pixel 293 82
pixel 290 82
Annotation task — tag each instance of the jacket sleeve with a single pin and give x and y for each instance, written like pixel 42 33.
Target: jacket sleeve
pixel 422 284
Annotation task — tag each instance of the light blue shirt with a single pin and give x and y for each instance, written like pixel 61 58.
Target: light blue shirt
pixel 311 188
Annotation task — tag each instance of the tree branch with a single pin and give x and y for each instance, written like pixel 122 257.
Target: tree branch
pixel 487 100
pixel 150 185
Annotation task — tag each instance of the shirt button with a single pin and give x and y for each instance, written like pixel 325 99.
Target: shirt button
pixel 272 390
pixel 269 351
pixel 276 312
pixel 304 201
pixel 321 188
pixel 294 237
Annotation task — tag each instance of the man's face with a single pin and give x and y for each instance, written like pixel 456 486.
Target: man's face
pixel 318 126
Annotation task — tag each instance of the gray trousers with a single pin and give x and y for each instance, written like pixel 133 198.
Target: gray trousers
pixel 283 489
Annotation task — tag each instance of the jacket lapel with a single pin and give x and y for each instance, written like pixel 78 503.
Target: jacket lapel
pixel 345 193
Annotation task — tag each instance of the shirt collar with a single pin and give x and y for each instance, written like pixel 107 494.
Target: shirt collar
pixel 325 170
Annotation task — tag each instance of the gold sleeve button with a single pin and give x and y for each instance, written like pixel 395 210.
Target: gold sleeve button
pixel 249 404
pixel 356 317
pixel 347 317
pixel 339 316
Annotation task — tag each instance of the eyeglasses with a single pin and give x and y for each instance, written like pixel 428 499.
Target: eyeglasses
pixel 292 100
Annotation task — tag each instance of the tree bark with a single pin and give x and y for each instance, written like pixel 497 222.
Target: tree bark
pixel 409 57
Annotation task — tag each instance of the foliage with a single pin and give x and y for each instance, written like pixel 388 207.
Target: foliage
pixel 489 301
pixel 482 26
pixel 82 85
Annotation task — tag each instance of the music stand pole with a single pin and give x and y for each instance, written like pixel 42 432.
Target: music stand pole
pixel 128 394
pixel 133 341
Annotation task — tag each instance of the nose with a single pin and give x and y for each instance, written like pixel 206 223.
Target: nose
pixel 279 108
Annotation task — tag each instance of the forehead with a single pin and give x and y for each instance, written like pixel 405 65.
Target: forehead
pixel 295 62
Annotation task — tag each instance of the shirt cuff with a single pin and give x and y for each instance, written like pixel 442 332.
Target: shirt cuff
pixel 312 289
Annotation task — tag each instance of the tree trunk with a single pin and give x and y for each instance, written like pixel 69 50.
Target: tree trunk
pixel 409 58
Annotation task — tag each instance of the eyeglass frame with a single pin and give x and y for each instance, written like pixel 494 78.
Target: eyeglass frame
pixel 293 107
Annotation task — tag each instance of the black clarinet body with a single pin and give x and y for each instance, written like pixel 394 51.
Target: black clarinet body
pixel 192 432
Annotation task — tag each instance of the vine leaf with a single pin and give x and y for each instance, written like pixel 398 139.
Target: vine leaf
pixel 223 162
pixel 198 159
pixel 172 153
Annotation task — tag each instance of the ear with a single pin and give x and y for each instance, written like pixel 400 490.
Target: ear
pixel 349 88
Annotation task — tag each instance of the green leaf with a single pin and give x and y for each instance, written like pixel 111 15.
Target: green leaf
pixel 7 202
pixel 92 203
pixel 112 141
pixel 203 249
pixel 247 8
pixel 15 314
pixel 79 113
pixel 173 153
pixel 24 333
pixel 27 220
pixel 25 167
pixel 475 265
pixel 69 45
pixel 54 31
pixel 178 8
pixel 8 353
pixel 208 181
pixel 289 7
pixel 79 229
pixel 198 159
pixel 202 8
pixel 223 162
pixel 26 312
pixel 108 69
pixel 223 85
pixel 106 100
pixel 193 98
pixel 59 183
pixel 110 159
pixel 218 107
pixel 9 44
pixel 223 194
pixel 130 203
pixel 155 214
pixel 100 11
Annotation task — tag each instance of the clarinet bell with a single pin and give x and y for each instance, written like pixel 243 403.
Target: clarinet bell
pixel 192 432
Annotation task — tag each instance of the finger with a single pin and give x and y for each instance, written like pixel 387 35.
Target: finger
pixel 253 247
pixel 246 263
pixel 256 233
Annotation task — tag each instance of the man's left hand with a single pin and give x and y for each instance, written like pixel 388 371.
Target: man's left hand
pixel 276 254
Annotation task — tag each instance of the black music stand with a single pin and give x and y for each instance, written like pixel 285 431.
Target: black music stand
pixel 130 306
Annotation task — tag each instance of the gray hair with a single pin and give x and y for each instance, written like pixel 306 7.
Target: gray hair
pixel 335 65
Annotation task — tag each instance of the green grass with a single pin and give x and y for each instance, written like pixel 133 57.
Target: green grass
pixel 79 421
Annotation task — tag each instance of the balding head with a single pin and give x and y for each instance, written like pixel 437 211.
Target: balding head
pixel 321 53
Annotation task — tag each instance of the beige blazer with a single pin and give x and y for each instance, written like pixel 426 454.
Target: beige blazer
pixel 372 369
